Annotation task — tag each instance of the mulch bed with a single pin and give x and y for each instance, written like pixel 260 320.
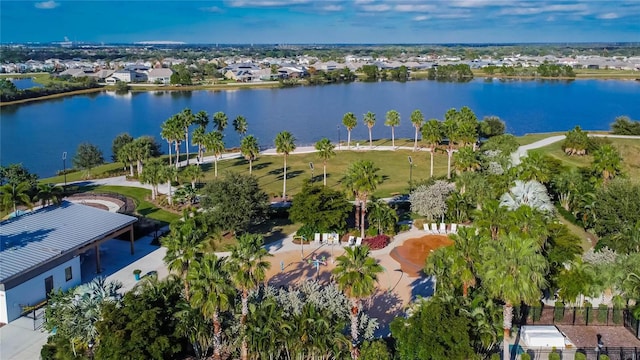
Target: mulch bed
pixel 587 336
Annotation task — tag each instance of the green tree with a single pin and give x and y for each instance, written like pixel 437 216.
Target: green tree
pixel 249 149
pixel 369 120
pixel 432 134
pixel 285 145
pixel 172 133
pixel 514 272
pixel 320 207
pixel 152 174
pixel 49 193
pixel 465 159
pixel 383 216
pixel 211 293
pixel 214 142
pixel 375 350
pixel 616 206
pixel 356 274
pixel 185 119
pixel 607 162
pixel 392 119
pixel 576 142
pixel 17 173
pixel 325 152
pixel 198 139
pixel 118 143
pixel 623 125
pixel 220 121
pixel 248 266
pixel 362 178
pixel 417 120
pixel 235 202
pixel 87 157
pixel 491 126
pixel 14 195
pixel 240 125
pixel 350 122
pixel 193 173
pixel 127 156
pixel 536 167
pixel 168 173
pixel 577 279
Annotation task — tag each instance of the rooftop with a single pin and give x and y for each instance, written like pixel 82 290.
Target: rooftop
pixel 36 238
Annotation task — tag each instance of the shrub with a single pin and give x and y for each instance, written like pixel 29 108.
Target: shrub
pixel 558 311
pixel 419 223
pixel 554 356
pixel 536 312
pixel 604 357
pixel 525 356
pixel 375 350
pixel 603 311
pixel 404 227
pixel 377 242
pixel 580 356
pixel 617 316
pixel 307 231
pixel 495 356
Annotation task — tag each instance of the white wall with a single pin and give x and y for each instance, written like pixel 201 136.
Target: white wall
pixel 32 291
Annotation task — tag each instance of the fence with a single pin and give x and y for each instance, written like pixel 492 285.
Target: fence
pixel 613 353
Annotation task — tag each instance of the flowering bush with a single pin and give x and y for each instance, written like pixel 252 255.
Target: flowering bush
pixel 377 242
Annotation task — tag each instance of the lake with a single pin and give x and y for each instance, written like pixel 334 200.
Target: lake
pixel 25 83
pixel 36 134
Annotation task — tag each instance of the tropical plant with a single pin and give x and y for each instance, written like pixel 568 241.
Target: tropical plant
pixel 392 119
pixel 576 142
pixel 198 139
pixel 49 193
pixel 285 145
pixel 513 272
pixel 349 121
pixel 186 194
pixel 362 179
pixel 248 266
pixel 320 207
pixel 249 149
pixel 491 126
pixel 432 134
pixel 14 195
pixel 240 125
pixel 417 120
pixel 185 119
pixel 356 274
pixel 87 157
pixel 465 159
pixel 325 151
pixel 153 174
pixel 493 219
pixel 530 193
pixel 536 166
pixel 577 279
pixel 193 173
pixel 383 216
pixel 369 120
pixel 172 133
pixel 220 121
pixel 623 125
pixel 214 142
pixel 118 142
pixel 607 162
pixel 430 201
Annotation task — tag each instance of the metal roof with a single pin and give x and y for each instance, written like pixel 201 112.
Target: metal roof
pixel 38 237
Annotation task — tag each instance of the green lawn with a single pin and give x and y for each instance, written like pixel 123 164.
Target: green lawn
pixel 531 138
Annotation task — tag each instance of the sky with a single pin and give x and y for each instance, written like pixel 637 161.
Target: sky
pixel 321 21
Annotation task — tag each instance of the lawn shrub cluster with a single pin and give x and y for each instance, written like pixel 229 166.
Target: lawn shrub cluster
pixel 377 242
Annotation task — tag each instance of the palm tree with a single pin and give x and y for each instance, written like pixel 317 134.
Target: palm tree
pixel 211 293
pixel 193 173
pixel 576 279
pixel 14 195
pixel 49 193
pixel 514 272
pixel 383 215
pixel 168 174
pixel 186 119
pixel 249 149
pixel 198 139
pixel 393 120
pixel 220 120
pixel 607 161
pixel 466 160
pixel 417 120
pixel 173 131
pixel 248 269
pixel 530 193
pixel 356 274
pixel 535 166
pixel 432 134
pixel 492 218
pixel 285 144
pixel 325 152
pixel 126 155
pixel 465 252
pixel 362 179
pixel 168 133
pixel 451 130
pixel 350 122
pixel 369 120
pixel 240 125
pixel 152 174
pixel 185 244
pixel 214 142
pixel 141 150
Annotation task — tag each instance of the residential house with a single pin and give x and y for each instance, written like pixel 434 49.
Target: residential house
pixel 162 76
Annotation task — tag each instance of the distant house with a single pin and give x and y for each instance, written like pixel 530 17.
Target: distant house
pixel 239 75
pixel 77 72
pixel 41 252
pixel 162 75
pixel 128 76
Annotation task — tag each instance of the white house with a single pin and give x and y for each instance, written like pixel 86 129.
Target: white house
pixel 162 75
pixel 40 251
pixel 127 76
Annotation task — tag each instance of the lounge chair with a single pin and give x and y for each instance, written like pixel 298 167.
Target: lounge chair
pixel 326 238
pixel 434 228
pixel 358 241
pixel 454 228
pixel 317 238
pixel 443 228
pixel 426 228
pixel 352 240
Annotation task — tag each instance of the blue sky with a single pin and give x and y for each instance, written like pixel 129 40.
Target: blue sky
pixel 321 21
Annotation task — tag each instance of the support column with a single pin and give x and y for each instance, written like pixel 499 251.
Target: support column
pixel 131 237
pixel 98 266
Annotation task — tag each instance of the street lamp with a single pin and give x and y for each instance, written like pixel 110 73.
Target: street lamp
pixel 410 173
pixel 338 136
pixel 90 345
pixel 64 167
pixel 311 167
pixel 599 347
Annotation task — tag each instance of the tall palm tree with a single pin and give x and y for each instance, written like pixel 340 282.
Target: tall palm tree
pixel 211 293
pixel 356 274
pixel 514 272
pixel 169 173
pixel 14 195
pixel 141 151
pixel 214 142
pixel 465 252
pixel 249 149
pixel 369 120
pixel 186 119
pixel 392 119
pixel 466 160
pixel 198 139
pixel 492 218
pixel 417 120
pixel 173 129
pixel 432 134
pixel 325 152
pixel 607 161
pixel 240 125
pixel 248 268
pixel 535 166
pixel 220 120
pixel 153 175
pixel 362 178
pixel 285 145
pixel 185 245
pixel 127 155
pixel 193 173
pixel 349 121
pixel 49 193
pixel 451 130
pixel 167 132
pixel 383 216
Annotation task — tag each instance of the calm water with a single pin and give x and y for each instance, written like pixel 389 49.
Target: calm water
pixel 36 134
pixel 26 83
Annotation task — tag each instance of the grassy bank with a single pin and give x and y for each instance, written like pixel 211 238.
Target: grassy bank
pixel 53 96
pixel 596 74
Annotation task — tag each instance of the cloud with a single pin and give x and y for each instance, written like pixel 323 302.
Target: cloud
pixel 359 2
pixel 414 7
pixel 420 18
pixel 266 3
pixel 332 7
pixel 212 9
pixel 608 16
pixel 376 8
pixel 47 5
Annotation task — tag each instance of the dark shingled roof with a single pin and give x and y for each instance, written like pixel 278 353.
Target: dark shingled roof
pixel 38 237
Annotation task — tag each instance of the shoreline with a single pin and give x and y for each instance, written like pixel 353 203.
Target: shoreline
pixel 278 85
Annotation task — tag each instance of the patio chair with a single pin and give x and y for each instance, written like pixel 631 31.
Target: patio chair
pixel 358 241
pixel 434 228
pixel 426 228
pixel 352 240
pixel 443 228
pixel 454 228
pixel 326 238
pixel 317 238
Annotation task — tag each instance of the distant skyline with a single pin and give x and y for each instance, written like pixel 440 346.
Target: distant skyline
pixel 323 21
